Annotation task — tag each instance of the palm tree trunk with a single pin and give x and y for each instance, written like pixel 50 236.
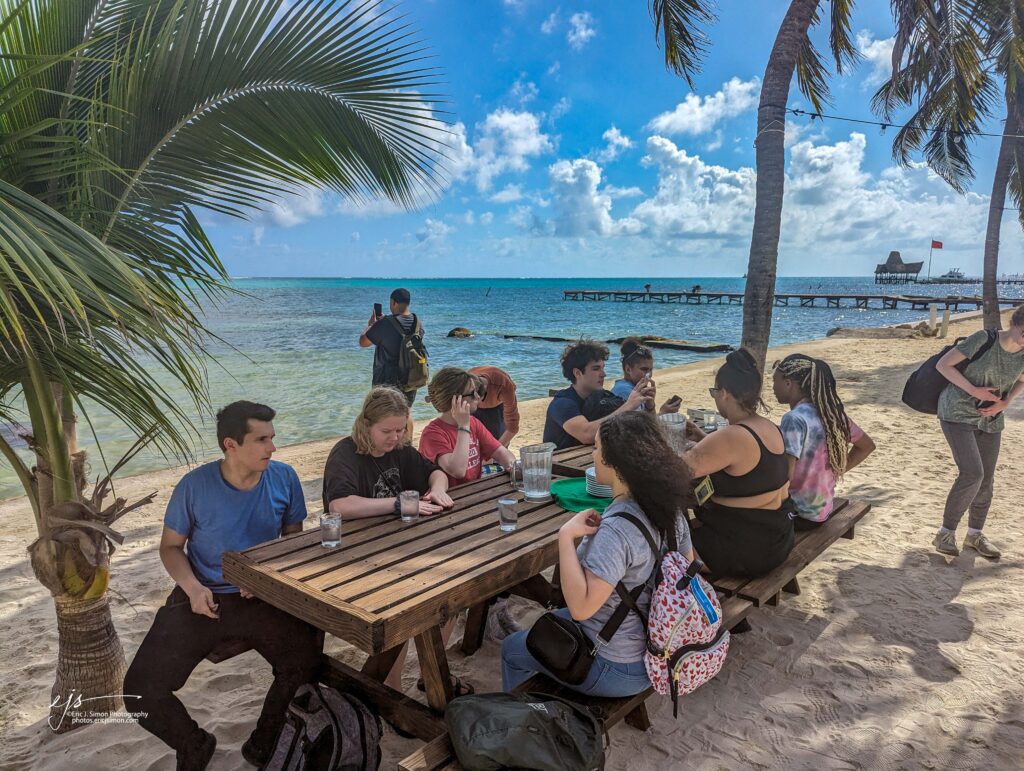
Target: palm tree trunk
pixel 989 288
pixel 759 298
pixel 90 662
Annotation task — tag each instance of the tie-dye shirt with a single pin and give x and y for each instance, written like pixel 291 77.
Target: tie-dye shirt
pixel 814 485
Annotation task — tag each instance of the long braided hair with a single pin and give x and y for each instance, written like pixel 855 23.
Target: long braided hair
pixel 816 382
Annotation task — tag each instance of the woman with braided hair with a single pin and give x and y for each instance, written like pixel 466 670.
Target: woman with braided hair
pixel 817 434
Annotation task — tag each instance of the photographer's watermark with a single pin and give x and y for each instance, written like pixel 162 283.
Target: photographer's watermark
pixel 73 709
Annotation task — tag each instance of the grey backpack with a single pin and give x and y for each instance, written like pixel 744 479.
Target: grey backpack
pixel 325 730
pixel 524 730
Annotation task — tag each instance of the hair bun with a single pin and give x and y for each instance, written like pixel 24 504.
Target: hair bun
pixel 743 360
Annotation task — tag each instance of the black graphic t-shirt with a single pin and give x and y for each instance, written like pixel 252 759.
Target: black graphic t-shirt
pixel 349 473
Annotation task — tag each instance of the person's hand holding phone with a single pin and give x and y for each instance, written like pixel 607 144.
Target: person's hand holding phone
pixel 461 410
pixel 671 406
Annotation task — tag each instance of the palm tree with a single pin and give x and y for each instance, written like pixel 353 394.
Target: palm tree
pixel 793 52
pixel 949 59
pixel 677 23
pixel 119 119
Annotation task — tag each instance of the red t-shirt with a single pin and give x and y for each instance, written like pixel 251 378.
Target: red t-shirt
pixel 439 438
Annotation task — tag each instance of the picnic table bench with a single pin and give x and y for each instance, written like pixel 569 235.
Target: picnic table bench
pixel 438 753
pixel 391 582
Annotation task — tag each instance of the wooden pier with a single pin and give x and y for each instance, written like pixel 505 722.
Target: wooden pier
pixel 812 300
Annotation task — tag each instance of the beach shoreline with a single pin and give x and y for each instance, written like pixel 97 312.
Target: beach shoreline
pixel 892 655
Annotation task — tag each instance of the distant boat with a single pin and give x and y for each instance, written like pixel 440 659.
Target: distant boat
pixel 954 274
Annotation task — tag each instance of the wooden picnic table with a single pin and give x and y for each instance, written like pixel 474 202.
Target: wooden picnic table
pixel 391 582
pixel 574 461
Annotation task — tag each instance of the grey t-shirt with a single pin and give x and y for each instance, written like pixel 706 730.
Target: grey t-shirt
pixel 617 552
pixel 994 369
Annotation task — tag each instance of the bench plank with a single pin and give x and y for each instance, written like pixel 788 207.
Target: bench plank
pixel 764 589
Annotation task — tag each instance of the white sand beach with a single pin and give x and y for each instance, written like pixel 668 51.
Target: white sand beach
pixel 893 656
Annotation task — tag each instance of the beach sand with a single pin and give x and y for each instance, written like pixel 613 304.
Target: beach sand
pixel 893 656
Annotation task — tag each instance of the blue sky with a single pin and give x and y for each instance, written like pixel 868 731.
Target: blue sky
pixel 575 153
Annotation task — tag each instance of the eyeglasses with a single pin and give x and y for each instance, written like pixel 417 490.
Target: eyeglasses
pixel 472 395
pixel 714 392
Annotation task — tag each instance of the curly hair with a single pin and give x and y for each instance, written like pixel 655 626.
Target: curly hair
pixel 447 383
pixel 382 402
pixel 741 377
pixel 634 446
pixel 816 382
pixel 579 355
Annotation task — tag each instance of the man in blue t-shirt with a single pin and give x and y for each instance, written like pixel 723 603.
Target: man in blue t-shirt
pixel 226 505
pixel 583 367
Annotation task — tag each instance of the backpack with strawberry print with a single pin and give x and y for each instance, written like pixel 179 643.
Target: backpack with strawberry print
pixel 686 640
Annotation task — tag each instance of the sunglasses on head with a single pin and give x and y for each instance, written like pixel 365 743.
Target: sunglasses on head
pixel 640 352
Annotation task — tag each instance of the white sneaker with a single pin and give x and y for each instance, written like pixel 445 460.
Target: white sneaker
pixel 981 545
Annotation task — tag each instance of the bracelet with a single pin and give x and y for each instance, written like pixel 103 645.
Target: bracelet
pixel 465 429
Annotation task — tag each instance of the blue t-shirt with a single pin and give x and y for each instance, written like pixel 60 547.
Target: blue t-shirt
pixel 566 405
pixel 623 388
pixel 216 517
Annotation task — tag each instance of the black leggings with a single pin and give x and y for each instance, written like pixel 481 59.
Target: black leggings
pixel 179 639
pixel 742 542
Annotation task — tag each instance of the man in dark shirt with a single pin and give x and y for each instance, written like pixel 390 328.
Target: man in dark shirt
pixel 388 341
pixel 583 367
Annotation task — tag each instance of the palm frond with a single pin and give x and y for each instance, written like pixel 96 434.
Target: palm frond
pixel 678 29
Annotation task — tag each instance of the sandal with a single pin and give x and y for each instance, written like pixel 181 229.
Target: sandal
pixel 459 688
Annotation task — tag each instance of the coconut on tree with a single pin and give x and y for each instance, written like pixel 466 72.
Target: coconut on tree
pixel 118 123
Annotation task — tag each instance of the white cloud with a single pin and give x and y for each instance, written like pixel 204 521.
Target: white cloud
pixel 257 235
pixel 581 30
pixel 697 115
pixel 616 143
pixel 553 70
pixel 355 237
pixel 579 208
pixel 715 143
pixel 459 156
pixel 878 55
pixel 506 140
pixel 523 91
pixel 487 218
pixel 622 192
pixel 294 209
pixel 562 106
pixel 551 23
pixel 433 232
pixel 509 194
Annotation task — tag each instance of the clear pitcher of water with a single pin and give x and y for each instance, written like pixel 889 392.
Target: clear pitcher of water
pixel 531 475
pixel 675 431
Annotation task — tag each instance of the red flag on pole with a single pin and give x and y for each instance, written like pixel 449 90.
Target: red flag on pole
pixel 936 244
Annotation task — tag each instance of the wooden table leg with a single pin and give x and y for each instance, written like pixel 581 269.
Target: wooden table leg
pixel 378 667
pixel 536 588
pixel 476 624
pixel 434 668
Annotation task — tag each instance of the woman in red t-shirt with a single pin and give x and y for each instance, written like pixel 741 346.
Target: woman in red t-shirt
pixel 457 442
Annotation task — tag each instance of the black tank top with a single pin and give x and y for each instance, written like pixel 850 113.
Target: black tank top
pixel 770 473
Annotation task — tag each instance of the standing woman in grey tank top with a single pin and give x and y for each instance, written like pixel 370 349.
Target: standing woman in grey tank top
pixel 971 416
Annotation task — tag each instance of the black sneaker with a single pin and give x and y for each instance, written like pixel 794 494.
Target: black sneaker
pixel 256 755
pixel 197 757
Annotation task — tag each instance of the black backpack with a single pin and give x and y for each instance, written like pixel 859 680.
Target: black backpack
pixel 413 371
pixel 925 385
pixel 524 730
pixel 325 730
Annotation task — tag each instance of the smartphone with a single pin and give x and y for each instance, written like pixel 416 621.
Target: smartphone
pixel 676 399
pixel 378 310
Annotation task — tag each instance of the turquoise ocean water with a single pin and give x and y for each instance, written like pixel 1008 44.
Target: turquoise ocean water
pixel 293 343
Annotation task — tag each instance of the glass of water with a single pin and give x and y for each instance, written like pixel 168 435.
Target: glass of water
pixel 330 530
pixel 508 515
pixel 410 502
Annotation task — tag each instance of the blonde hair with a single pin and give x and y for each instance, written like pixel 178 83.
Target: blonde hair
pixel 815 380
pixel 448 383
pixel 382 402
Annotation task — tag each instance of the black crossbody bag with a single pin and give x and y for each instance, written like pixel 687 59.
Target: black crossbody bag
pixel 563 648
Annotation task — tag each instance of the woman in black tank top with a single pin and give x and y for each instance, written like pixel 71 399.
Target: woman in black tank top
pixel 746 529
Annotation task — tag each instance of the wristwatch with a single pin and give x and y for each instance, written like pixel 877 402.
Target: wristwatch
pixel 398 506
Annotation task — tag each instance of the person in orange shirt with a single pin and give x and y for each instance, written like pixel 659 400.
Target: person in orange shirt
pixel 498 409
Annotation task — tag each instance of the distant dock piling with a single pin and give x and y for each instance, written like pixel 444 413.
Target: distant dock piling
pixel 783 299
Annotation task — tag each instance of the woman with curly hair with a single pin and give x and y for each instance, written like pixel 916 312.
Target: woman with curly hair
pixel 652 484
pixel 818 436
pixel 746 526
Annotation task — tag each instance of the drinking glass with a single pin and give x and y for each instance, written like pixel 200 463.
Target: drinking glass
pixel 535 482
pixel 710 421
pixel 508 516
pixel 410 503
pixel 330 530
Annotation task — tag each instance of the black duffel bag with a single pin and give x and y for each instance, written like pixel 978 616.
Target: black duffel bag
pixel 926 384
pixel 490 731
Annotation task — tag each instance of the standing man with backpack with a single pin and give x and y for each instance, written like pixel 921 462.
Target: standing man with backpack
pixel 400 358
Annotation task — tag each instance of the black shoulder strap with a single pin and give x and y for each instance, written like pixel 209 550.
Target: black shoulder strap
pixel 629 597
pixel 993 335
pixel 398 326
